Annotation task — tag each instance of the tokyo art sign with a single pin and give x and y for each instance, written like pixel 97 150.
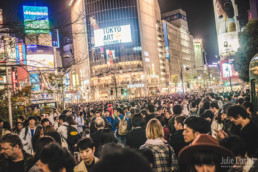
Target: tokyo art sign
pixel 112 35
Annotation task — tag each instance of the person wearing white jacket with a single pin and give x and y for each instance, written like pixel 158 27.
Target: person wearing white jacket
pixel 26 135
pixel 62 130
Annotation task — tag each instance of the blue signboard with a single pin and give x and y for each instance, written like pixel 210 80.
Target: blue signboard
pixel 36 19
pixel 166 40
pixel 34 80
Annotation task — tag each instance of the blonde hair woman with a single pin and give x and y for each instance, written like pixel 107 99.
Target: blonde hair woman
pixel 164 155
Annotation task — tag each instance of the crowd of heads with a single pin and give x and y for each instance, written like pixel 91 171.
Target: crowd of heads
pixel 160 133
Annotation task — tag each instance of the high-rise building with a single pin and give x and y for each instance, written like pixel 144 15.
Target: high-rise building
pixel 117 48
pixel 199 54
pixel 179 43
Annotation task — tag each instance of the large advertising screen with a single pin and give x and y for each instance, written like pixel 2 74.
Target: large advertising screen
pixel 40 58
pixel 227 68
pixel 226 25
pixel 112 35
pixel 36 19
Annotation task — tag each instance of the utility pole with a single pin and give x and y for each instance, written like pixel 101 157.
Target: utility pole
pixel 8 79
pixel 114 77
pixel 182 78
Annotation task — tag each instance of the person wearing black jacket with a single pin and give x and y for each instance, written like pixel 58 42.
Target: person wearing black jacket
pixel 177 140
pixel 151 109
pixel 102 135
pixel 136 137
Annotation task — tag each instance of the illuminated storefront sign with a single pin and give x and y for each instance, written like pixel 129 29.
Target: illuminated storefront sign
pixel 166 40
pixel 40 58
pixel 36 19
pixel 21 54
pixel 226 25
pixel 135 86
pixel 112 35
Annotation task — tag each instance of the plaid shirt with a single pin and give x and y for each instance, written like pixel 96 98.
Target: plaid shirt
pixel 161 157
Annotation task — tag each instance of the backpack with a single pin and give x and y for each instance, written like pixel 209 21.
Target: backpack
pixel 122 126
pixel 72 135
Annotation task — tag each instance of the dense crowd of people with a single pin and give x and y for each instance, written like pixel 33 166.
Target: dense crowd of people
pixel 205 132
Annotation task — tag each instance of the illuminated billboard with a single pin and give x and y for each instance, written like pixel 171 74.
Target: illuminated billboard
pixel 226 25
pixel 112 35
pixel 228 70
pixel 36 19
pixel 40 58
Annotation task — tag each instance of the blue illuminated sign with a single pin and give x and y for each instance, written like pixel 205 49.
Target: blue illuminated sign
pixel 36 19
pixel 55 38
pixel 166 40
pixel 34 80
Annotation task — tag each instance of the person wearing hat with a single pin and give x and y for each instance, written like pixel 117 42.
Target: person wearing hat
pixel 26 135
pixel 205 154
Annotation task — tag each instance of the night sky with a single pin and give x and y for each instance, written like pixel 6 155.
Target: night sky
pixel 200 14
pixel 201 22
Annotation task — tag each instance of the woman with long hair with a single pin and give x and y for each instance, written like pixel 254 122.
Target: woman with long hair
pixel 38 134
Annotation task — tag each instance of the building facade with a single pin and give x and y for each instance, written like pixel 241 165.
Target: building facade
pixel 180 43
pixel 116 49
pixel 199 55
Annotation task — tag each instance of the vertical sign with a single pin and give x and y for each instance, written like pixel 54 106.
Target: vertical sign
pixel 166 40
pixel 55 38
pixel 21 54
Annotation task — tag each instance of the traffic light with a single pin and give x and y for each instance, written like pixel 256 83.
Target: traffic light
pixel 122 91
pixel 125 92
pixel 226 84
pixel 111 92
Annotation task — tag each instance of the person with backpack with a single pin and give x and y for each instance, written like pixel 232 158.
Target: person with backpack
pixel 121 123
pixel 26 135
pixel 69 134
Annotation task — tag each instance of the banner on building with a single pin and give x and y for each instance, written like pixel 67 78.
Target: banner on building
pixel 227 26
pixel 166 40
